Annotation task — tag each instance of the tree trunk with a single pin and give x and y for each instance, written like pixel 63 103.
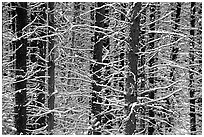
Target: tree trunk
pixel 142 74
pixel 51 68
pixel 20 86
pixel 191 75
pixel 174 53
pixel 152 63
pixel 107 117
pixel 131 86
pixel 37 82
pixel 96 68
pixel 41 45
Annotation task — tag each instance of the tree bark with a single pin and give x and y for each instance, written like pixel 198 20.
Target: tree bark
pixel 37 81
pixel 96 68
pixel 107 117
pixel 20 87
pixel 51 68
pixel 151 63
pixel 191 75
pixel 131 86
pixel 175 49
pixel 142 73
pixel 174 53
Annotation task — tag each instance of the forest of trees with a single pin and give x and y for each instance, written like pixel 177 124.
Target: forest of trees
pixel 102 68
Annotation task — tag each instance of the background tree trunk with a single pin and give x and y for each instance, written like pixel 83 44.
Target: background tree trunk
pixel 176 7
pixel 191 74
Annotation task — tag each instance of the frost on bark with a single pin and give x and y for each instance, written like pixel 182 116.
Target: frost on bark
pixel 51 68
pixel 191 74
pixel 20 44
pixel 131 85
pixel 98 17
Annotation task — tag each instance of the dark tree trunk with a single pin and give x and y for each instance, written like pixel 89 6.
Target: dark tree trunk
pixel 142 74
pixel 198 59
pixel 151 63
pixel 20 87
pixel 107 117
pixel 41 66
pixel 38 47
pixel 131 86
pixel 122 52
pixel 191 75
pixel 175 49
pixel 97 56
pixel 51 68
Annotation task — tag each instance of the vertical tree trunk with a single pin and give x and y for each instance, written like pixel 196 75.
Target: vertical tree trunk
pixel 198 59
pixel 174 51
pixel 131 93
pixel 107 117
pixel 191 75
pixel 75 36
pixel 41 45
pixel 51 67
pixel 151 63
pixel 12 13
pixel 20 86
pixel 142 74
pixel 38 48
pixel 96 68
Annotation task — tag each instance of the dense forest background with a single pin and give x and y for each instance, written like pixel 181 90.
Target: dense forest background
pixel 102 68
